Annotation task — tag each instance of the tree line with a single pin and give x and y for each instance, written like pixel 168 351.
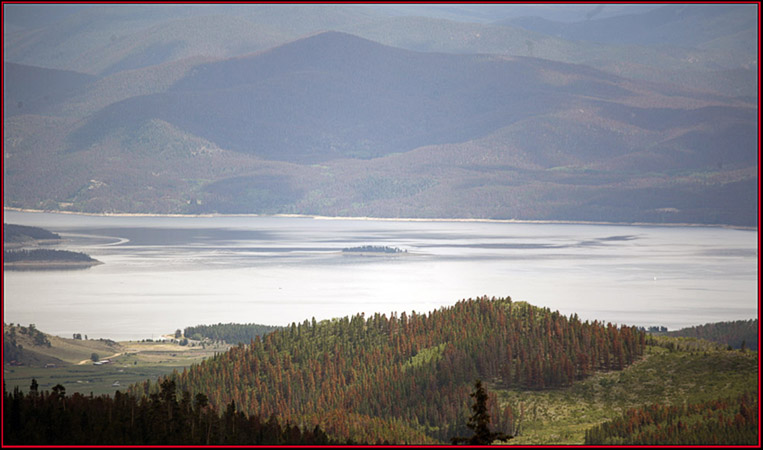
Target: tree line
pixel 44 255
pixel 373 249
pixel 232 333
pixel 163 418
pixel 735 334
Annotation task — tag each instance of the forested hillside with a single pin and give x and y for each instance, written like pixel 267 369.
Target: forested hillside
pixel 717 422
pixel 733 334
pixel 683 391
pixel 406 378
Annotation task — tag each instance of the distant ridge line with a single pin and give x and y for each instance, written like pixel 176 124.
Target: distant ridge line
pixel 393 219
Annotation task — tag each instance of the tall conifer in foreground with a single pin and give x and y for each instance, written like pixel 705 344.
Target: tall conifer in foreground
pixel 479 422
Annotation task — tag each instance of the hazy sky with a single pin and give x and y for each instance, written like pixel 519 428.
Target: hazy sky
pixel 36 15
pixel 493 12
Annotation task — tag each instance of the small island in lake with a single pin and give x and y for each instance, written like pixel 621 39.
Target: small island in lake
pixel 374 249
pixel 41 259
pixel 21 252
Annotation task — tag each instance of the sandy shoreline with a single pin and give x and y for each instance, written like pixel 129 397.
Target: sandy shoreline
pixel 393 219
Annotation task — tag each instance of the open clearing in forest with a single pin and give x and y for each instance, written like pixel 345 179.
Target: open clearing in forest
pixel 68 362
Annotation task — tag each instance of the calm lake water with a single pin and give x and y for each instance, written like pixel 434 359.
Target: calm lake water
pixel 165 273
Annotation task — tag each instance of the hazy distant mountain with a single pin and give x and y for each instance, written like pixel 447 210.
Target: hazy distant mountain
pixel 103 39
pixel 680 25
pixel 334 95
pixel 713 46
pixel 29 90
pixel 676 45
pixel 20 16
pixel 337 124
pixel 481 12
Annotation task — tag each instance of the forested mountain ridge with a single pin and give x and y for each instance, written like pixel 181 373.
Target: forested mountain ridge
pixel 365 378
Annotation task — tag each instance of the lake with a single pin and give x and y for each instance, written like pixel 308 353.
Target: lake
pixel 164 273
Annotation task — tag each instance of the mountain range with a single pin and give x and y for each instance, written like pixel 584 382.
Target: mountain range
pixel 351 111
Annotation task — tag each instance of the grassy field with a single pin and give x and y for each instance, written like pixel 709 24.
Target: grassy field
pixel 562 416
pixel 68 363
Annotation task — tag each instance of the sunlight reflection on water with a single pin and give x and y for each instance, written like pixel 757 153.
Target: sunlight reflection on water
pixel 164 273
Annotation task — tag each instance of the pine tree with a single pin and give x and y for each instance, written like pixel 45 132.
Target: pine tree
pixel 479 422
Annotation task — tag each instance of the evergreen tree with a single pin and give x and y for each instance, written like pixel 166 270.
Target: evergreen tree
pixel 479 422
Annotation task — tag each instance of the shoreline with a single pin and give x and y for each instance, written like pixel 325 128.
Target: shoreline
pixel 391 219
pixel 49 265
